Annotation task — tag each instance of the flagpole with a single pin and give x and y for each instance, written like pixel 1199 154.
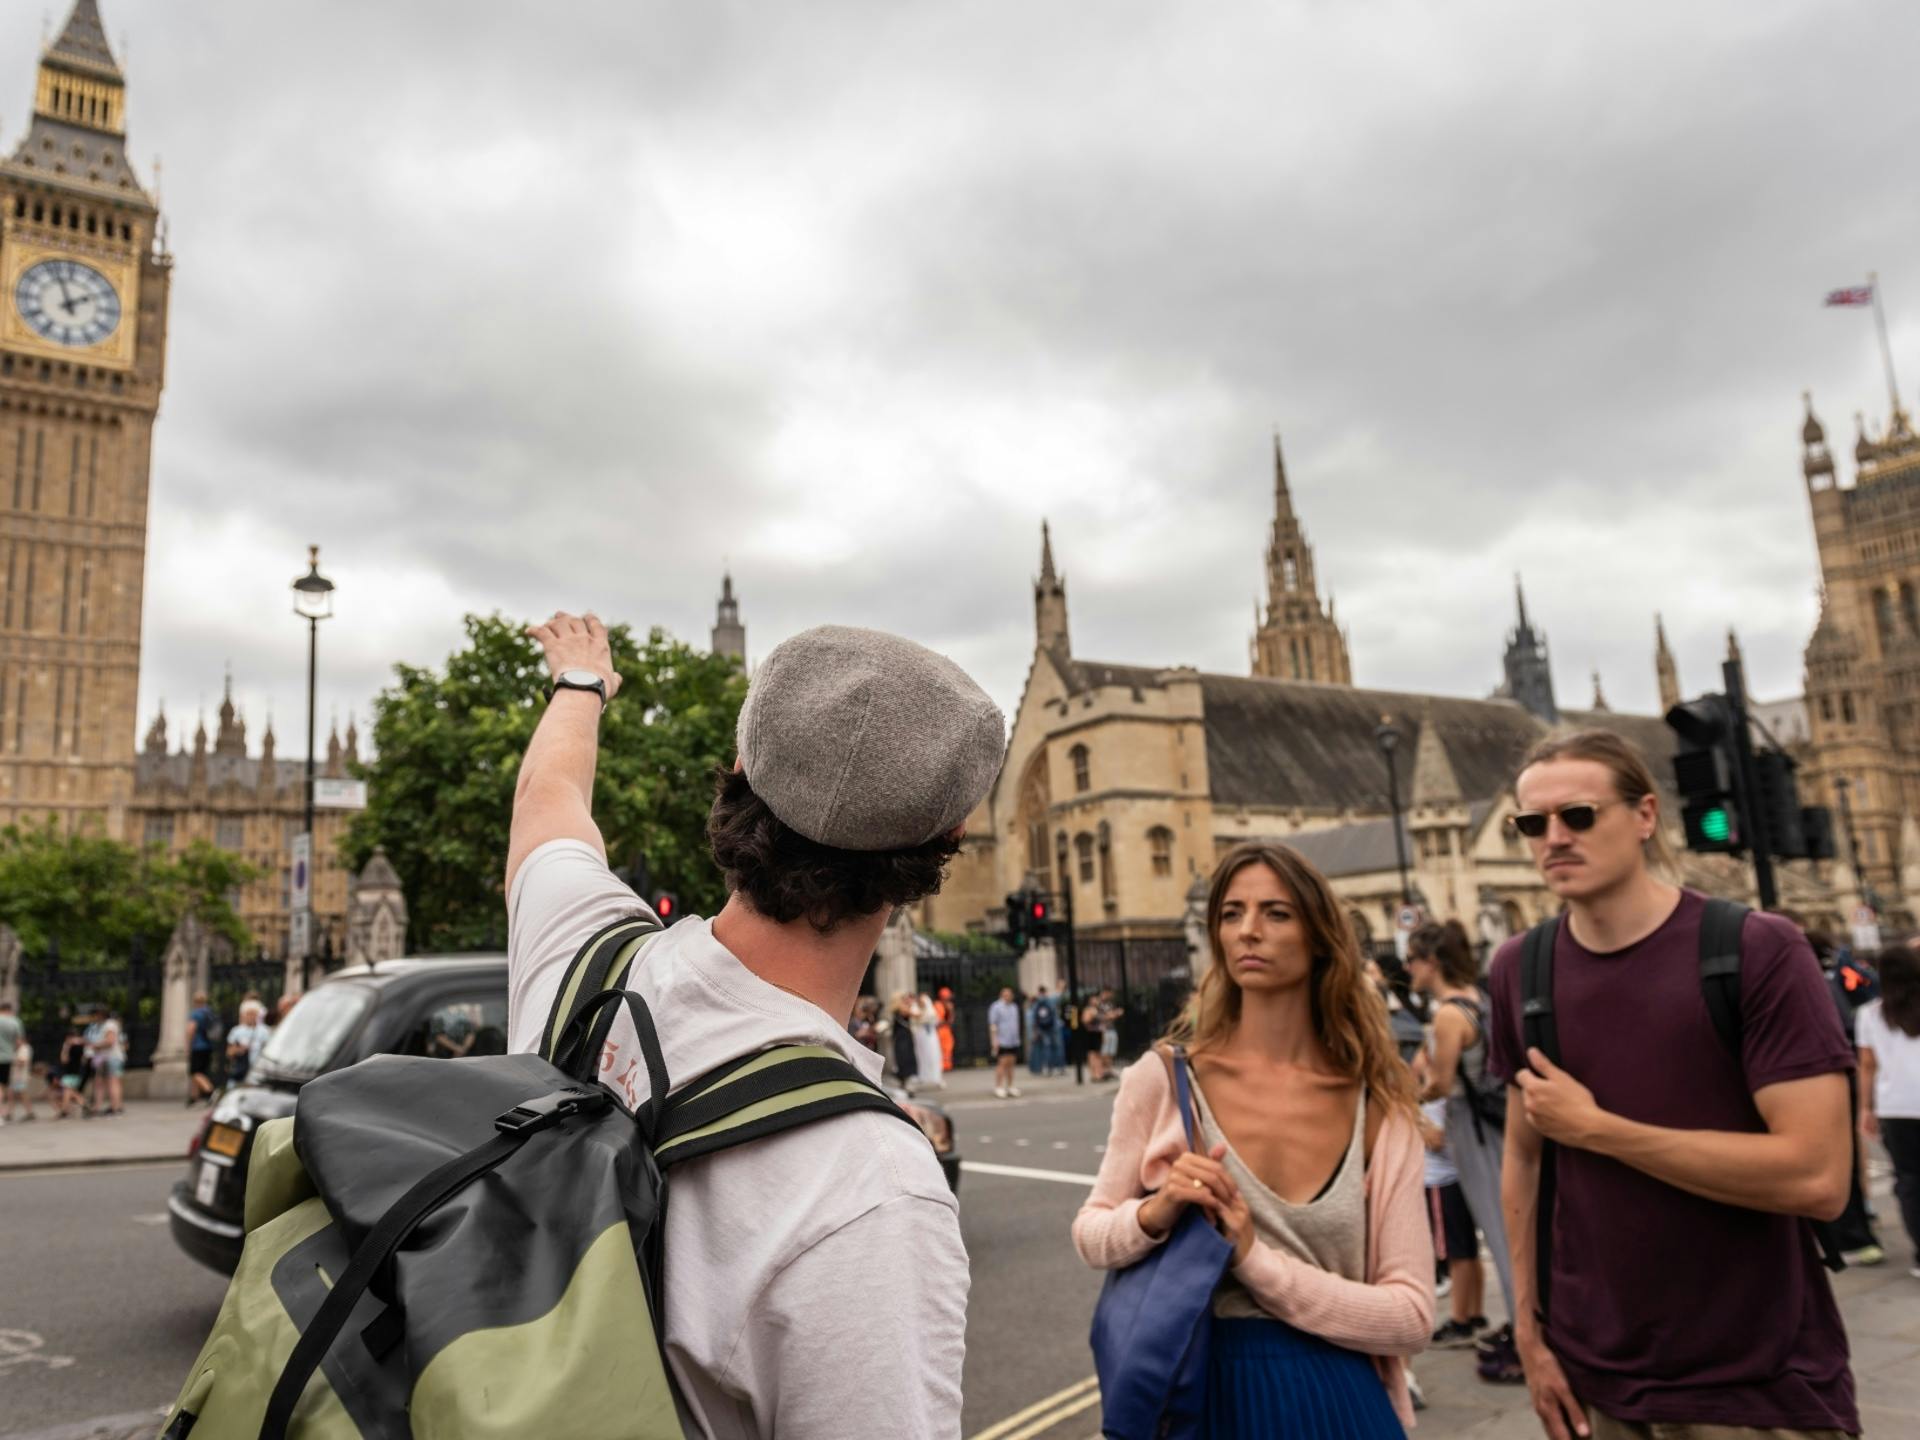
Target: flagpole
pixel 1886 350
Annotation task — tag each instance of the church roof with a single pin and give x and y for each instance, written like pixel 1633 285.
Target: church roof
pixel 151 771
pixel 1364 847
pixel 83 43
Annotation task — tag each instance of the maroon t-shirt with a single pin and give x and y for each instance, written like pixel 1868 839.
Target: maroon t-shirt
pixel 1666 1306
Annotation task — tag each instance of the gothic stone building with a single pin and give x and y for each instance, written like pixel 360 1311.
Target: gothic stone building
pixel 1126 782
pixel 83 329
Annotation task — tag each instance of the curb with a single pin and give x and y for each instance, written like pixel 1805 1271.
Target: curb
pixel 88 1162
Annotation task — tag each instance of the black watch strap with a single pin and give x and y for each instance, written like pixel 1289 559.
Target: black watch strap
pixel 594 686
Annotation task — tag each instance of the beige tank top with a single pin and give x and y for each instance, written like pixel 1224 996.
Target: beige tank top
pixel 1329 1231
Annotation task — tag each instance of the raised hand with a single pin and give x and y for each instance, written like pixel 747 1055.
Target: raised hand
pixel 578 642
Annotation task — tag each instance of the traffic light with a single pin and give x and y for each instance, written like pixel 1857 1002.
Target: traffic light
pixel 1037 915
pixel 1779 799
pixel 1706 771
pixel 1816 824
pixel 666 905
pixel 1017 911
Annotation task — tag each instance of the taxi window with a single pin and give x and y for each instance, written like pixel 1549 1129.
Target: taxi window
pixel 461 1026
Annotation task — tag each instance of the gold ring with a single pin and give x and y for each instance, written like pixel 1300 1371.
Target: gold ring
pixel 1199 1184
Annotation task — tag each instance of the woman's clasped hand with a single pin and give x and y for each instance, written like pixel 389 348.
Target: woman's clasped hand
pixel 1201 1180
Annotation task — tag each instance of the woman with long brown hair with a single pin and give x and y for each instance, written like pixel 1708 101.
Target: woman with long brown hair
pixel 1312 1166
pixel 1887 1031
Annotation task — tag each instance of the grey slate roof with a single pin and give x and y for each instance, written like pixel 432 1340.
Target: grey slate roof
pixel 83 42
pixel 1363 848
pixel 151 770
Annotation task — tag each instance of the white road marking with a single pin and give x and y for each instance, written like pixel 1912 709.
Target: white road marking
pixel 1059 1144
pixel 1023 1142
pixel 1023 1172
pixel 22 1347
pixel 159 1218
pixel 1099 1149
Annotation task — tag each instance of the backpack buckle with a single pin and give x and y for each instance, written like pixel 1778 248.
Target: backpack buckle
pixel 547 1110
pixel 1537 1006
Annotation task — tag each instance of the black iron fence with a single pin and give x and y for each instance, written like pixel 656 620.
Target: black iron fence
pixel 976 976
pixel 1150 981
pixel 55 990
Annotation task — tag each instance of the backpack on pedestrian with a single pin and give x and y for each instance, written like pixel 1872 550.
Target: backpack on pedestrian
pixel 1720 928
pixel 473 1247
pixel 1043 1017
pixel 1486 1094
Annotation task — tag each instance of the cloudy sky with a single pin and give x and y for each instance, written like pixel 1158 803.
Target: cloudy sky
pixel 516 306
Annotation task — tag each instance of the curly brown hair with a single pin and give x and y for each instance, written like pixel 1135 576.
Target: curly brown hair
pixel 787 877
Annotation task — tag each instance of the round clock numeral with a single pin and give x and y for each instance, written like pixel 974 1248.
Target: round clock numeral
pixel 68 302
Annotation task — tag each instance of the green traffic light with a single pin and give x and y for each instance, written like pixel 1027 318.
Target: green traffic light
pixel 1717 826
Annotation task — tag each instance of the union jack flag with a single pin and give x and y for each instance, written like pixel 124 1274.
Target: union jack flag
pixel 1852 295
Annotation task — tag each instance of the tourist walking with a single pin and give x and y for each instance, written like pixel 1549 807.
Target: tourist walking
pixel 12 1033
pixel 926 1043
pixel 20 1081
pixel 1678 1290
pixel 109 1050
pixel 203 1038
pixel 1003 1039
pixel 906 1061
pixel 1442 967
pixel 1044 1051
pixel 943 1007
pixel 1889 1036
pixel 245 1039
pixel 72 1073
pixel 1312 1166
pixel 1456 1241
pixel 860 756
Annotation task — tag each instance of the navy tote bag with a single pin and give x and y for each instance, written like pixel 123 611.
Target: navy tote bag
pixel 1153 1327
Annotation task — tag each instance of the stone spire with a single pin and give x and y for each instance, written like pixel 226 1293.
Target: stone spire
pixel 333 770
pixel 353 741
pixel 156 742
pixel 197 771
pixel 1528 666
pixel 79 102
pixel 1733 648
pixel 1664 668
pixel 1050 600
pixel 1299 638
pixel 269 775
pixel 1434 780
pixel 1817 463
pixel 232 736
pixel 1599 697
pixel 83 43
pixel 729 635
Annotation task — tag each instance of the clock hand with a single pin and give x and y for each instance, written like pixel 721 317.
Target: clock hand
pixel 66 295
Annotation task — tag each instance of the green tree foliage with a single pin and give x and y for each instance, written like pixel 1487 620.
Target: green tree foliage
pixel 92 896
pixel 447 749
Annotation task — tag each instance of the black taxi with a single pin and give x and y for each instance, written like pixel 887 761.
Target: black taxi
pixel 444 1007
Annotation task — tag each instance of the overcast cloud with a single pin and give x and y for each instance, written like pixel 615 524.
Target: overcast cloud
pixel 514 307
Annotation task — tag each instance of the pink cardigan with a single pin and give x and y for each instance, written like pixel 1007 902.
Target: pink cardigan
pixel 1389 1316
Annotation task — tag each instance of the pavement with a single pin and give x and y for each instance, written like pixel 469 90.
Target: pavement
pixel 149 1130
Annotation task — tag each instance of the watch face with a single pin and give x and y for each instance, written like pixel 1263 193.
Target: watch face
pixel 584 679
pixel 67 302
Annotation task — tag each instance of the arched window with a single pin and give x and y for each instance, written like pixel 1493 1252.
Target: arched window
pixel 1362 929
pixel 1909 611
pixel 1290 572
pixel 1078 755
pixel 1106 865
pixel 1083 852
pixel 1883 616
pixel 1160 846
pixel 1035 796
pixel 1846 708
pixel 1826 708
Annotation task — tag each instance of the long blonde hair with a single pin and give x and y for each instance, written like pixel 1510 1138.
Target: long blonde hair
pixel 1349 1016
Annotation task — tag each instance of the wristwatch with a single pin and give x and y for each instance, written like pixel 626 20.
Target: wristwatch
pixel 579 679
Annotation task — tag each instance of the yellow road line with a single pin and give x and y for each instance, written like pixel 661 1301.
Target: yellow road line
pixel 1089 1387
pixel 1047 1422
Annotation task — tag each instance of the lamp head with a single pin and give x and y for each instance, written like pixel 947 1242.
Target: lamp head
pixel 1386 737
pixel 313 592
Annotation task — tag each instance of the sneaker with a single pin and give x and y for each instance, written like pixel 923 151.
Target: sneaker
pixel 1454 1335
pixel 1914 1271
pixel 1500 1363
pixel 1443 1287
pixel 999 1092
pixel 1013 1092
pixel 1866 1255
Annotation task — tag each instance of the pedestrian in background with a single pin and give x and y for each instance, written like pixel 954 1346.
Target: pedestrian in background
pixel 73 1072
pixel 943 1006
pixel 245 1039
pixel 20 1087
pixel 1044 1054
pixel 865 1024
pixel 1093 1021
pixel 11 1034
pixel 1683 1291
pixel 1442 966
pixel 1889 1035
pixel 906 1065
pixel 1456 1241
pixel 1110 1014
pixel 1312 1166
pixel 1003 1039
pixel 926 1043
pixel 109 1064
pixel 203 1033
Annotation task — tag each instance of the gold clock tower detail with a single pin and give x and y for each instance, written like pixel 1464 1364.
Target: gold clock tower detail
pixel 83 317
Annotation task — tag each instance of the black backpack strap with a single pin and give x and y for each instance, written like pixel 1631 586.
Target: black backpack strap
pixel 603 963
pixel 1720 969
pixel 512 1130
pixel 764 1094
pixel 1538 1029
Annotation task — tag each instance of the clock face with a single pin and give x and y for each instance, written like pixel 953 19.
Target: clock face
pixel 67 302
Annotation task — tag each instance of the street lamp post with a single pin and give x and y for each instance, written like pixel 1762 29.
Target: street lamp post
pixel 1388 739
pixel 312 602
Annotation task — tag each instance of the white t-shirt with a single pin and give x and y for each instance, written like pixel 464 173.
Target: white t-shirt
pixel 816 1280
pixel 1896 1083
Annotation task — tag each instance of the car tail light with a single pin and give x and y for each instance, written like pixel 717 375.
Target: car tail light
pixel 200 1135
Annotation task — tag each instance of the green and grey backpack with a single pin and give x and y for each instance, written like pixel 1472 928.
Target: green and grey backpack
pixel 472 1248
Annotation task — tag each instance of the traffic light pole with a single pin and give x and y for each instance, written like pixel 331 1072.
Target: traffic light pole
pixel 1758 841
pixel 1073 980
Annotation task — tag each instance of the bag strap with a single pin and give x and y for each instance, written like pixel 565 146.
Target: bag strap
pixel 513 1130
pixel 1539 1030
pixel 578 1052
pixel 764 1094
pixel 1720 969
pixel 602 963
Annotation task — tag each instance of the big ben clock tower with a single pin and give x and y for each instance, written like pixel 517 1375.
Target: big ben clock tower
pixel 83 312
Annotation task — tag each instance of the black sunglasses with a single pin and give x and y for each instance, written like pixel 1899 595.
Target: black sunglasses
pixel 1577 817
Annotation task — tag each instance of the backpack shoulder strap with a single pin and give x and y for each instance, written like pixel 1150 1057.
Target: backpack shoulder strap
pixel 763 1094
pixel 1720 968
pixel 1537 1024
pixel 603 963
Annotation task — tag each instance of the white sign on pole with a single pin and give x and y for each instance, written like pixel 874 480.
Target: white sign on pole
pixel 339 794
pixel 300 933
pixel 1866 929
pixel 1404 924
pixel 300 896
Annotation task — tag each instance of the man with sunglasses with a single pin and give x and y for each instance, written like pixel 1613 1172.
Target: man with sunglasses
pixel 1684 1294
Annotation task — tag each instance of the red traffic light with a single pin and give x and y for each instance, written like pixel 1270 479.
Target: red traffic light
pixel 1039 909
pixel 666 905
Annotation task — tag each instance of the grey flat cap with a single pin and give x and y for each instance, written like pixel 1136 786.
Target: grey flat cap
pixel 864 741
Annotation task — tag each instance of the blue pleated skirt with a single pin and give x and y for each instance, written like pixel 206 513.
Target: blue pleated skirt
pixel 1268 1380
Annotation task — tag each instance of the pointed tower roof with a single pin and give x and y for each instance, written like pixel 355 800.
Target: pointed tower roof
pixel 1434 780
pixel 1520 599
pixel 83 43
pixel 1048 576
pixel 1733 645
pixel 1282 499
pixel 1599 696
